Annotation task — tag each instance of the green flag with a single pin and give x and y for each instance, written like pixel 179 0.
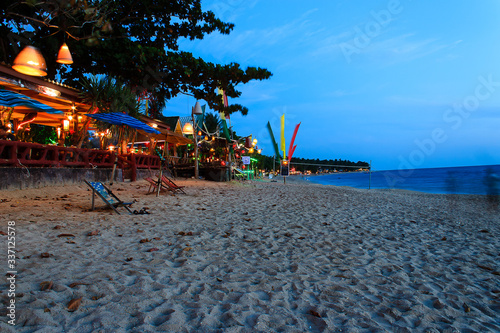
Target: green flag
pixel 275 145
pixel 225 130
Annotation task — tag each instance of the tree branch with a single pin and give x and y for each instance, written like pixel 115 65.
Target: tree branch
pixel 33 19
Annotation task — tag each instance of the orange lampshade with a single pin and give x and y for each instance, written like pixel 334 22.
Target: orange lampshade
pixel 30 62
pixel 64 56
pixel 65 123
pixel 187 129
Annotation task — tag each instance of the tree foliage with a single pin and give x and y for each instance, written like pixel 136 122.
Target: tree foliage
pixel 108 95
pixel 211 122
pixel 38 134
pixel 136 42
pixel 309 164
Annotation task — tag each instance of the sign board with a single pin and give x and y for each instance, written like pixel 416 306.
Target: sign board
pixel 285 168
pixel 245 159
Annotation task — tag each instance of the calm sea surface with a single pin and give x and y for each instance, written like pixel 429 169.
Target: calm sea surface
pixel 458 180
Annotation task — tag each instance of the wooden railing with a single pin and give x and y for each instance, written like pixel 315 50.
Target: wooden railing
pixel 15 153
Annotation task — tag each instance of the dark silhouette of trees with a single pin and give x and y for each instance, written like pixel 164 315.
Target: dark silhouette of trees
pixel 313 165
pixel 135 42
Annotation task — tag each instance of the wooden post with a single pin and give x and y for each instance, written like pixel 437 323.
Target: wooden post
pixel 370 179
pixel 274 166
pixel 159 178
pixel 165 149
pixel 116 158
pixel 195 135
pixel 114 168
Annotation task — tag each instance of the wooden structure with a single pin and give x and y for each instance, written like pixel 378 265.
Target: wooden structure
pixel 56 95
pixel 16 153
pixel 65 99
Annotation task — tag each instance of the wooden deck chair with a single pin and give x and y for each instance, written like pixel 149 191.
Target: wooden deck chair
pixel 171 185
pixel 153 186
pixel 240 174
pixel 107 196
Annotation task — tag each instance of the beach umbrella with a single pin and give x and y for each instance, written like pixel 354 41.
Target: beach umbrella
pixel 12 99
pixel 122 119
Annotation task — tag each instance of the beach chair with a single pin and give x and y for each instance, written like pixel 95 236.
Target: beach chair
pixel 240 174
pixel 153 186
pixel 169 183
pixel 107 196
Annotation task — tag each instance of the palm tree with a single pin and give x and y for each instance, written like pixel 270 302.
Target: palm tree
pixel 212 122
pixel 106 95
pixel 214 125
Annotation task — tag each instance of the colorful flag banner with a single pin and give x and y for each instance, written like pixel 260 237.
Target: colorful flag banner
pixel 290 153
pixel 224 99
pixel 200 118
pixel 225 131
pixel 221 92
pixel 223 115
pixel 275 145
pixel 291 149
pixel 283 148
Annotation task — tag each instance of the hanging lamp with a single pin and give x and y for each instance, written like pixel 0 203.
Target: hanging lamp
pixel 188 128
pixel 30 62
pixel 197 108
pixel 64 56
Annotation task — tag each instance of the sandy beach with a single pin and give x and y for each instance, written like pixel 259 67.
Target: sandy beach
pixel 252 257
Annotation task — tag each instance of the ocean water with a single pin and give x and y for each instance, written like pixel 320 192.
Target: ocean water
pixel 482 180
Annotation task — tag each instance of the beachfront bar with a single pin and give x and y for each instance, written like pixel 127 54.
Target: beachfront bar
pixel 47 125
pixel 44 125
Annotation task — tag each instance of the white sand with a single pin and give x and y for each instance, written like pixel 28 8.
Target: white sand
pixel 262 257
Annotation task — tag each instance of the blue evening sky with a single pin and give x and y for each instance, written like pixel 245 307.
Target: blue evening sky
pixel 405 84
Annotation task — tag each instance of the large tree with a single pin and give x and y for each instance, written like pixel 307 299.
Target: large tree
pixel 133 41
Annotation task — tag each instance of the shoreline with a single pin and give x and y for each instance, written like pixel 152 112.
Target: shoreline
pixel 437 190
pixel 254 256
pixel 295 180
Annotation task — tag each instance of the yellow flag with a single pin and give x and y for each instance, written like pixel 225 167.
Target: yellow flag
pixel 283 136
pixel 222 115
